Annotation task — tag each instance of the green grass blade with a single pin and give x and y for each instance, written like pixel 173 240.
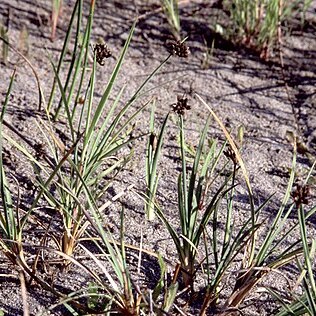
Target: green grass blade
pixel 161 282
pixel 209 210
pixel 102 136
pixel 6 100
pixel 78 65
pixel 109 87
pixel 153 155
pixel 170 296
pixel 183 193
pixel 159 146
pixel 311 290
pixel 192 202
pixel 78 6
pixel 7 220
pixel 65 101
pixel 276 227
pixel 170 229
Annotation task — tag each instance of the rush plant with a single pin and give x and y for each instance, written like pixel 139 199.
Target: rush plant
pixel 256 23
pixel 193 208
pixel 305 303
pixel 10 225
pixel 97 132
pixel 264 256
pixel 118 291
pixel 93 148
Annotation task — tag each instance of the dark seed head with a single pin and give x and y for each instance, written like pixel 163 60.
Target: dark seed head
pixel 39 150
pixel 181 106
pixel 102 52
pixel 178 48
pixel 230 154
pixel 301 194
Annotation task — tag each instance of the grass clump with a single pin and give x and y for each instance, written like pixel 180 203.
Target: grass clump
pixel 259 24
pixel 305 303
pixel 192 192
pixel 10 224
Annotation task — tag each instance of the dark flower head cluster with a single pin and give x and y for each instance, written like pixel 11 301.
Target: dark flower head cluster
pixel 301 194
pixel 178 48
pixel 181 106
pixel 230 154
pixel 102 52
pixel 39 150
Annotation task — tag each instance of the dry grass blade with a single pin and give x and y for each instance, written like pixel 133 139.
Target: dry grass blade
pixel 115 198
pixel 250 256
pixel 231 142
pixel 40 90
pixel 56 11
pixel 26 311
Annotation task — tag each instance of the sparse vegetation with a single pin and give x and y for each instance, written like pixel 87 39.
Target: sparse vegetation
pixel 259 24
pixel 73 174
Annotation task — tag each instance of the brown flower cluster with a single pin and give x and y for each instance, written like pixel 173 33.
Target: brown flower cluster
pixel 301 194
pixel 230 154
pixel 181 106
pixel 102 52
pixel 178 48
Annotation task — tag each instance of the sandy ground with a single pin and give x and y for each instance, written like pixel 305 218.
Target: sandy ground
pixel 242 89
